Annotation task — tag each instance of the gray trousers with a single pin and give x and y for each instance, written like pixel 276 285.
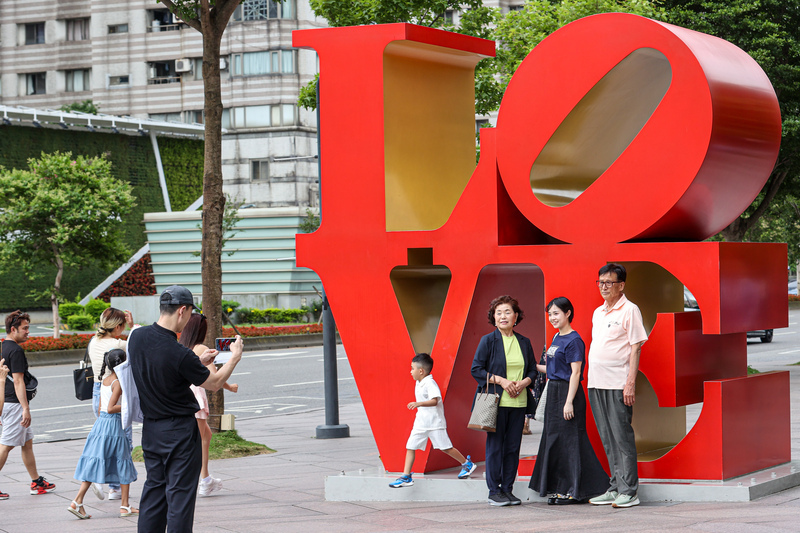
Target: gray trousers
pixel 613 419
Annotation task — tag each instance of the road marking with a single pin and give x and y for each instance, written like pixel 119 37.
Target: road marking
pixel 307 383
pixel 785 333
pixel 790 351
pixel 241 374
pixel 88 406
pixel 275 398
pixel 274 354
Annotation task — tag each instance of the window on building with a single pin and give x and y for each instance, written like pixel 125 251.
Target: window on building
pixel 78 80
pixel 259 116
pixel 166 117
pixel 114 81
pixel 482 123
pixel 118 28
pixel 448 17
pixel 36 83
pixel 259 169
pixel 268 62
pixel 77 29
pixel 34 33
pixel 194 117
pixel 162 72
pixel 516 8
pixel 162 20
pixel 265 9
pixel 198 68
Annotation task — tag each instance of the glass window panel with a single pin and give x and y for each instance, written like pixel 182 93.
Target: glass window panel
pixel 275 62
pixel 276 115
pixel 273 9
pixel 238 117
pixel 226 118
pixel 287 61
pixel 237 64
pixel 257 116
pixel 287 110
pixel 254 63
pixel 287 9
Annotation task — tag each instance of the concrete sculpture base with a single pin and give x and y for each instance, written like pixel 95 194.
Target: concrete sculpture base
pixel 373 485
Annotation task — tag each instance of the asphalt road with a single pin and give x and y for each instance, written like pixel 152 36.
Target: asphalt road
pixel 270 383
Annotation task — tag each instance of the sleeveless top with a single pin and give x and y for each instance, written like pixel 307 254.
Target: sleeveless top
pixel 105 396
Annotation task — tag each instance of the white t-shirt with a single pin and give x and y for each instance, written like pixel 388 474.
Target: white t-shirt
pixel 98 348
pixel 429 417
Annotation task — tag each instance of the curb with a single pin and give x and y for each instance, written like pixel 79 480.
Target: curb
pixel 253 344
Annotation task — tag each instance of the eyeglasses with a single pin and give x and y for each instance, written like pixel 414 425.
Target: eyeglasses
pixel 606 284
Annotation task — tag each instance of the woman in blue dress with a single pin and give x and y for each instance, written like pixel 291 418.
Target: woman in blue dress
pixel 566 469
pixel 106 456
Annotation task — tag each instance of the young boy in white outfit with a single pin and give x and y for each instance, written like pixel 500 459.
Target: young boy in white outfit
pixel 429 422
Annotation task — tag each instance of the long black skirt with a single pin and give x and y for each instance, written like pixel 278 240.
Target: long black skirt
pixel 566 463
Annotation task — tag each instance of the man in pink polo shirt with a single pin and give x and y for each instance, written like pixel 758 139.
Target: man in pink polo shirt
pixel 617 337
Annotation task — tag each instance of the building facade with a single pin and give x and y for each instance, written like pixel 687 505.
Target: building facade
pixel 132 57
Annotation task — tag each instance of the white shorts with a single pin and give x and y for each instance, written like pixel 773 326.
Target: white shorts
pixel 13 432
pixel 419 439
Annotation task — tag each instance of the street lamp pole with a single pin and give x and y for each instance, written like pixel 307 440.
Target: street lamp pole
pixel 332 429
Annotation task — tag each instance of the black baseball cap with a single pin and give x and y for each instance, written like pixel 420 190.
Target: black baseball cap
pixel 177 295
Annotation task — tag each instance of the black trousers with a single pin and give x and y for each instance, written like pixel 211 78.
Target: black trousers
pixel 173 459
pixel 502 449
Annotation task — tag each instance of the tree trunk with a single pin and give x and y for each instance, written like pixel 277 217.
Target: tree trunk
pixel 213 201
pixel 54 296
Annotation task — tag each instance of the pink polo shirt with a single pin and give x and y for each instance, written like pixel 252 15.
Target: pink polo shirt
pixel 613 332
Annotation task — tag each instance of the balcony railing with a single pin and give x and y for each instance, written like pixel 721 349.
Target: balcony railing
pixel 157 27
pixel 163 79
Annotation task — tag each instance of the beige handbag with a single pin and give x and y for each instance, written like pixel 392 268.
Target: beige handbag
pixel 484 412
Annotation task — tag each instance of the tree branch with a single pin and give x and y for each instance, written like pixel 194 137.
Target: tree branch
pixel 192 23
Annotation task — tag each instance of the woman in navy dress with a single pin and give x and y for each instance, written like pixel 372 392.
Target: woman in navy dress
pixel 567 469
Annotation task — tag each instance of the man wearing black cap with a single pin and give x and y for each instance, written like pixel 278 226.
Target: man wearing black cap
pixel 163 371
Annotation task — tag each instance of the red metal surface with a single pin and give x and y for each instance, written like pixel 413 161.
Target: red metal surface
pixel 703 155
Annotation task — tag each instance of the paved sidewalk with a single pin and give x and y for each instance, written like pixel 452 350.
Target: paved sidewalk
pixel 283 492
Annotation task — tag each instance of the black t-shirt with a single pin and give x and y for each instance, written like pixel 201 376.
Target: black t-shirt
pixel 163 371
pixel 16 363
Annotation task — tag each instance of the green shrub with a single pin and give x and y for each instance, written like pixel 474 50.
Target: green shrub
pixel 241 315
pixel 80 322
pixel 285 315
pixel 95 308
pixel 229 306
pixel 67 309
pixel 258 316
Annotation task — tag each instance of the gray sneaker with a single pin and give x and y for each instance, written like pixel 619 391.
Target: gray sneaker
pixel 623 500
pixel 605 499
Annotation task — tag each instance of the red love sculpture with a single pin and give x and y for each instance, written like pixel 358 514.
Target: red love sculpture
pixel 619 139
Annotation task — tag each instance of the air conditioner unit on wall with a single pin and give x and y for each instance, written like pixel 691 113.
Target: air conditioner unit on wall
pixel 183 65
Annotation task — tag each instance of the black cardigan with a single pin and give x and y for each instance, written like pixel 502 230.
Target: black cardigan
pixel 490 357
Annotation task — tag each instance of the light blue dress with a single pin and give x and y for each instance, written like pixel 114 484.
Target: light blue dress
pixel 106 456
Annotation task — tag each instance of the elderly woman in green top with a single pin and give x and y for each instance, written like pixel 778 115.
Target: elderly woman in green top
pixel 507 359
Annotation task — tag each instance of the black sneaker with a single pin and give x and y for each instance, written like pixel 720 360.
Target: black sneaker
pixel 512 500
pixel 498 500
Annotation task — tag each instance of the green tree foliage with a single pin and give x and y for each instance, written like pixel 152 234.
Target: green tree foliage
pixel 769 30
pixel 62 211
pixel 86 106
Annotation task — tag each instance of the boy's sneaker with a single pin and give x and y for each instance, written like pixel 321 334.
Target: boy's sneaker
pixel 498 500
pixel 114 494
pixel 3 495
pixel 41 486
pixel 209 485
pixel 467 468
pixel 512 500
pixel 402 481
pixel 623 500
pixel 605 499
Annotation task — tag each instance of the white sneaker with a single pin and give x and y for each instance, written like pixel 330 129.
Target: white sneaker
pixel 207 487
pixel 114 494
pixel 97 491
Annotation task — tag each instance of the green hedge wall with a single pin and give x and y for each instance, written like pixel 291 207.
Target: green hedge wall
pixel 132 160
